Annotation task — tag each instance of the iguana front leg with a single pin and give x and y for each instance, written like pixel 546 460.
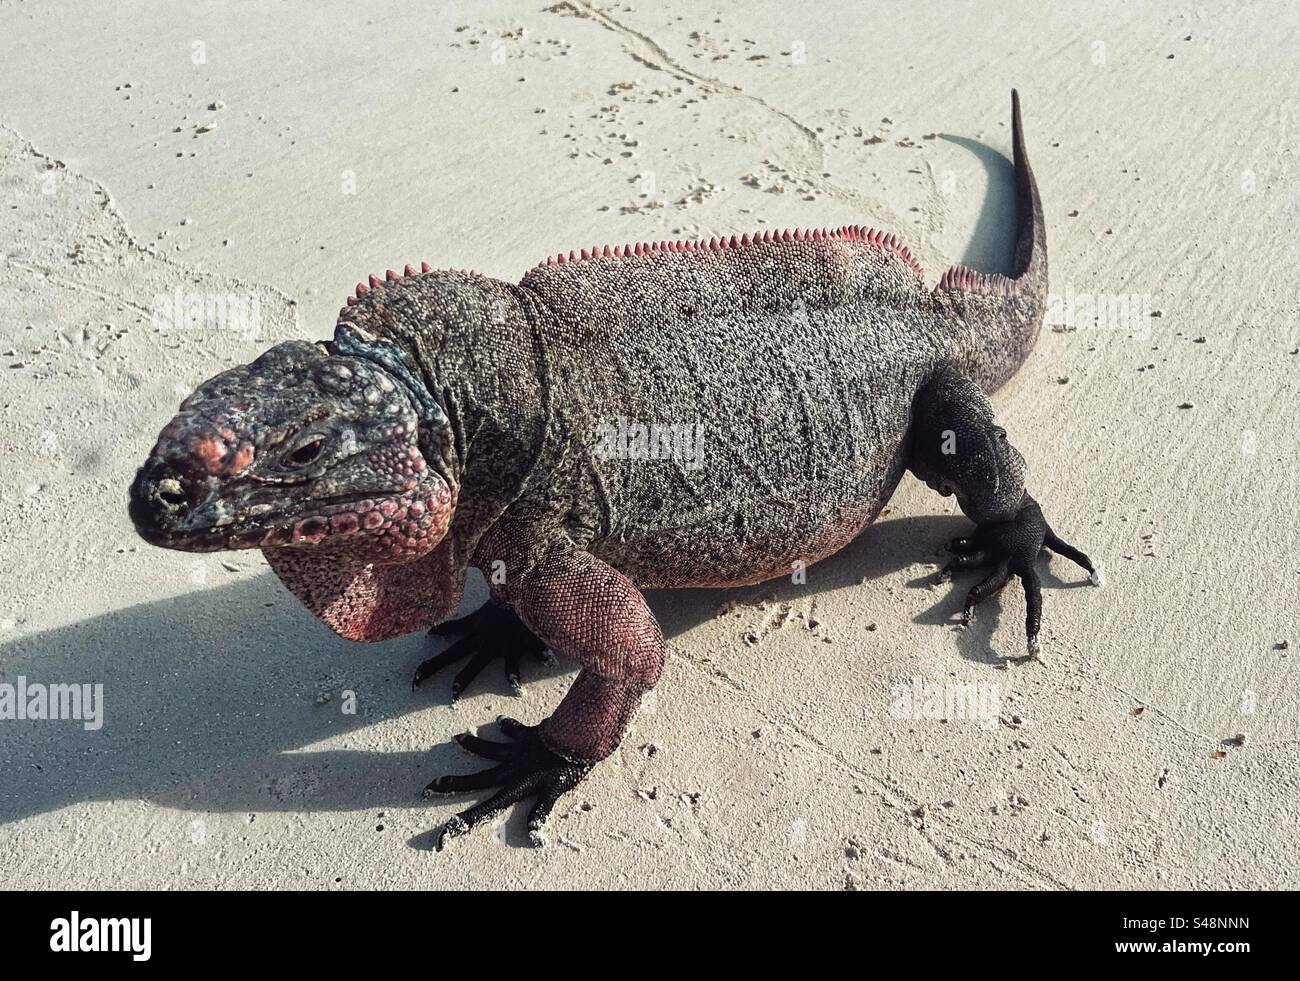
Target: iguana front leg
pixel 580 606
pixel 957 449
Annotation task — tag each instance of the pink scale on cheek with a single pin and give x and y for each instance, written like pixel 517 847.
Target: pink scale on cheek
pixel 400 527
pixel 311 529
pixel 344 524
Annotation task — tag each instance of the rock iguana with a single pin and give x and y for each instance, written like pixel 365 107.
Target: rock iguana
pixel 456 420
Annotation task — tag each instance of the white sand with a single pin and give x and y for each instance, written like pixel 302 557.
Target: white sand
pixel 488 137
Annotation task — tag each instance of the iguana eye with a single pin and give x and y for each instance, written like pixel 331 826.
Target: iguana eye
pixel 305 453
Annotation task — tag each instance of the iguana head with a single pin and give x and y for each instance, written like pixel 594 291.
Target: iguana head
pixel 321 447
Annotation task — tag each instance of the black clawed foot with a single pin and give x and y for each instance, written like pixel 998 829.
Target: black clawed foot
pixel 1013 546
pixel 492 631
pixel 525 768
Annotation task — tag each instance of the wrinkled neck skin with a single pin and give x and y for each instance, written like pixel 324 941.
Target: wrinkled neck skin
pixel 372 601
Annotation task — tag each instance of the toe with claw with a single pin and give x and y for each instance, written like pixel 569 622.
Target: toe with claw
pixel 525 768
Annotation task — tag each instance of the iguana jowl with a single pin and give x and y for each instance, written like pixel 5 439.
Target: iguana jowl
pixel 454 420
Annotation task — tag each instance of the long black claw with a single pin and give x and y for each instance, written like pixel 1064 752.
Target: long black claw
pixel 983 590
pixel 458 783
pixel 510 793
pixel 1068 551
pixel 512 659
pixel 485 748
pixel 1033 609
pixel 546 801
pixel 491 631
pixel 470 671
pixel 526 768
pixel 452 829
pixel 431 666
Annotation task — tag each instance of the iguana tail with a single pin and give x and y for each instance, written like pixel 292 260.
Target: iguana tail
pixel 1029 270
pixel 1005 313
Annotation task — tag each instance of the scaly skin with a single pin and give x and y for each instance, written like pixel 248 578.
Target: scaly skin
pixel 458 420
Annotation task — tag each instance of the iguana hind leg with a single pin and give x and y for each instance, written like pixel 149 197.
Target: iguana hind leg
pixel 582 607
pixel 957 449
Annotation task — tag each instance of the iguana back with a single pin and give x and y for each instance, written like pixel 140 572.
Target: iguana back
pixel 784 366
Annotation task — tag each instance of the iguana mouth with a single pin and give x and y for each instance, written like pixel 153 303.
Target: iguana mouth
pixel 160 519
pixel 404 518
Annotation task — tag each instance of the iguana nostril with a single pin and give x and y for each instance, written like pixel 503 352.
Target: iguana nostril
pixel 170 492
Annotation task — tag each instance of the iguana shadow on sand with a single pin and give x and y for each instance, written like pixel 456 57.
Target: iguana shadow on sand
pixel 214 721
